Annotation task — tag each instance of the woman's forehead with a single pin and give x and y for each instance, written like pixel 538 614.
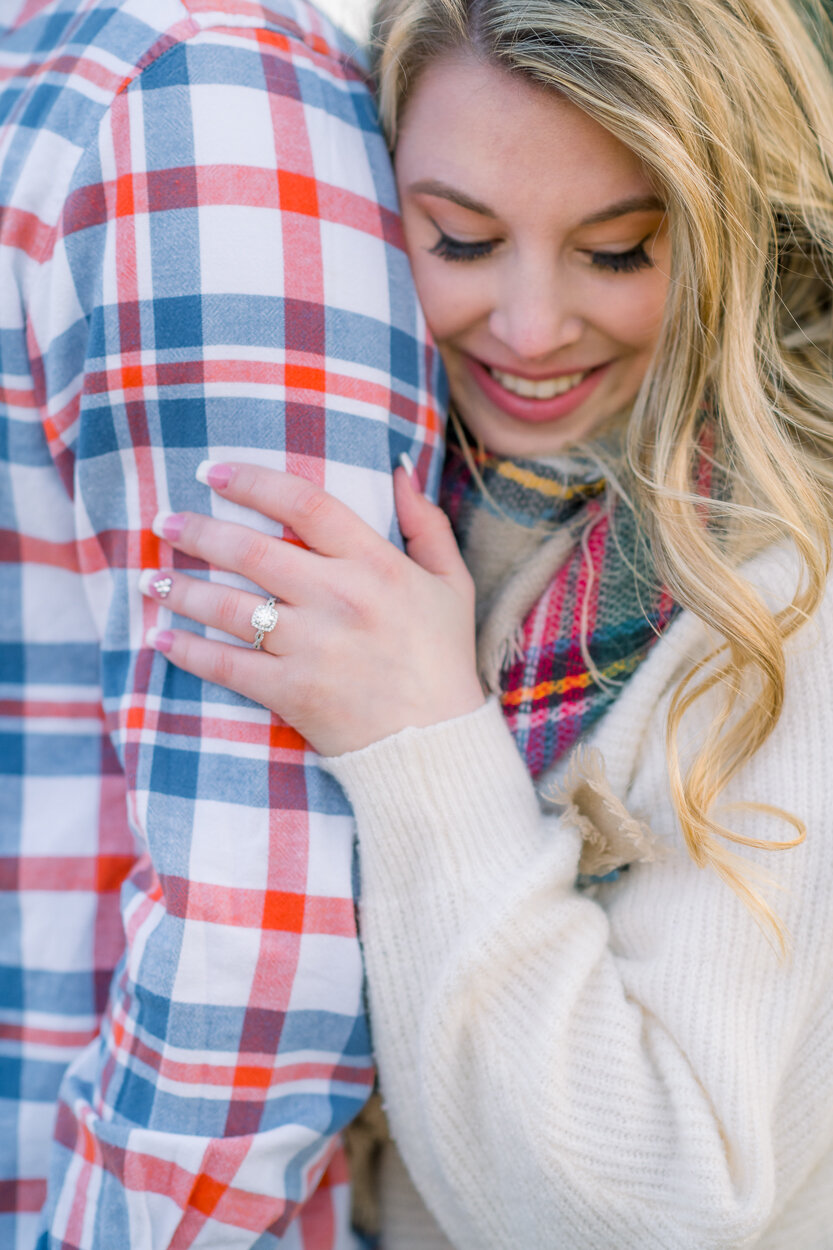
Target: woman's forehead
pixel 497 142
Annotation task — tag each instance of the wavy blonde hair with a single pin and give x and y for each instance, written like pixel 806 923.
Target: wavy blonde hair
pixel 729 105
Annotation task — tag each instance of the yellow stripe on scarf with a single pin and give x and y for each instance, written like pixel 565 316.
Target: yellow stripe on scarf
pixel 546 485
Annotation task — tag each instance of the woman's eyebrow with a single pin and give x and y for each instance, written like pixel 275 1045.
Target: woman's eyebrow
pixel 430 186
pixel 633 204
pixel 621 208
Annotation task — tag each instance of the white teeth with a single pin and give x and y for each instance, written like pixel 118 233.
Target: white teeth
pixel 546 388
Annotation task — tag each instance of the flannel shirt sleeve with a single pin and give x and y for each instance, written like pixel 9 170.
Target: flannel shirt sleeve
pixel 230 271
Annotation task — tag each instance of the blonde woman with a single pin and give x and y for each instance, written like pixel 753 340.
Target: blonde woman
pixel 597 898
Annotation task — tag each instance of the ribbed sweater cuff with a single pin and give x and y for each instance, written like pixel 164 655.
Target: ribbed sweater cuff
pixel 453 800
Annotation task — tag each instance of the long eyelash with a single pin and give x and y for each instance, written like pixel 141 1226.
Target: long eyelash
pixel 448 248
pixel 623 262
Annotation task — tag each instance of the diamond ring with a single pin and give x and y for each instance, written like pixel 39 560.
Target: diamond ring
pixel 264 620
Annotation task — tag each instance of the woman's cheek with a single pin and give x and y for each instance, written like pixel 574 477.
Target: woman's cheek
pixel 635 317
pixel 449 301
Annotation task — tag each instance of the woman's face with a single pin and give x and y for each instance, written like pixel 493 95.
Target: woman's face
pixel 540 252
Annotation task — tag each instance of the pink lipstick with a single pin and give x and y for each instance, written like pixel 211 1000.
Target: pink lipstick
pixel 525 408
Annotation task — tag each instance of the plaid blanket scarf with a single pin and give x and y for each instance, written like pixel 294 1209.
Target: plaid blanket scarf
pixel 568 600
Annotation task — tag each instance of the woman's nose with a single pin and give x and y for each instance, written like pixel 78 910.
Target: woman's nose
pixel 534 316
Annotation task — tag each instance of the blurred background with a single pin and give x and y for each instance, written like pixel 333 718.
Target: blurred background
pixel 351 15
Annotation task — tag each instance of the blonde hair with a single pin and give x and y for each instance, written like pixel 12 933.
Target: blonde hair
pixel 729 104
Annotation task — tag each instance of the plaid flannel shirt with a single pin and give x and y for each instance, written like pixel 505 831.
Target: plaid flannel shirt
pixel 199 256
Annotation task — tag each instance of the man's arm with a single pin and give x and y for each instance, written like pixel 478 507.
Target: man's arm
pixel 231 245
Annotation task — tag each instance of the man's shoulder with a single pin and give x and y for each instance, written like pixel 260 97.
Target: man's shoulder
pixel 102 48
pixel 64 66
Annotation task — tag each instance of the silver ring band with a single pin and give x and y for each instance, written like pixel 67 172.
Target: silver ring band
pixel 264 620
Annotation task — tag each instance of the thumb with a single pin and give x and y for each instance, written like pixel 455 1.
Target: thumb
pixel 429 540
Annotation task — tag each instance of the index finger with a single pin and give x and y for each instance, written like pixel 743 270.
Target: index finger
pixel 322 522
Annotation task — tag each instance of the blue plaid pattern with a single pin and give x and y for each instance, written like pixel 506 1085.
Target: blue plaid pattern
pixel 199 256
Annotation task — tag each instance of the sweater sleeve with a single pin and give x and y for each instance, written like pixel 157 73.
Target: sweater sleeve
pixel 632 1070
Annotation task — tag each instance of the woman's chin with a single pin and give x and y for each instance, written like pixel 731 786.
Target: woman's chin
pixel 502 436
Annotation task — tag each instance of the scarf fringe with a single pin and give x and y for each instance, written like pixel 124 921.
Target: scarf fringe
pixel 612 836
pixel 508 650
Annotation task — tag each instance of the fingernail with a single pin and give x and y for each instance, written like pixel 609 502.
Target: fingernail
pixel 408 465
pixel 212 473
pixel 159 639
pixel 155 584
pixel 168 525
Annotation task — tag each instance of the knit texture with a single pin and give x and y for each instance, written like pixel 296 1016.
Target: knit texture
pixel 635 1069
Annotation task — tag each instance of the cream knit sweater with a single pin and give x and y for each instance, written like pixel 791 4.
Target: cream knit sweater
pixel 631 1071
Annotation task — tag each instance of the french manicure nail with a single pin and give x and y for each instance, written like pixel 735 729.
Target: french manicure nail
pixel 212 473
pixel 408 465
pixel 168 525
pixel 159 639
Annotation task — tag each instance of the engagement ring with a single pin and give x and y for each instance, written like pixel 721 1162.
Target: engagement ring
pixel 264 620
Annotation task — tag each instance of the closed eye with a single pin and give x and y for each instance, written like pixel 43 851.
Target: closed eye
pixel 623 262
pixel 448 248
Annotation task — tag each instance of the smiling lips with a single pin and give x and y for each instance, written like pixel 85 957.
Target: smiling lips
pixel 535 399
pixel 546 388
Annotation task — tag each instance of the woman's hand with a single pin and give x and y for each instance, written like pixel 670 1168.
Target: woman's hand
pixel 368 640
